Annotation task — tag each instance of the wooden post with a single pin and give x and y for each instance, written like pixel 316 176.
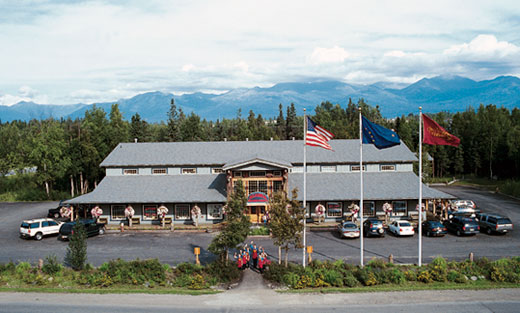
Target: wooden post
pixel 40 264
pixel 471 256
pixel 391 259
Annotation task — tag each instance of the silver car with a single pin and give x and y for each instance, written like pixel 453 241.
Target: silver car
pixel 348 230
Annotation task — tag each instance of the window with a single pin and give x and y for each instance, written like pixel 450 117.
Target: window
pixel 257 174
pixel 182 211
pixel 45 224
pixel 253 186
pixel 149 212
pixel 328 168
pixel 369 208
pixel 237 174
pixel 117 212
pixel 159 171
pixel 399 208
pixel 355 168
pixel 387 167
pixel 262 186
pixel 334 209
pixel 130 171
pixel 217 170
pixel 277 173
pixel 214 211
pixel 297 169
pixel 189 170
pixel 277 186
pixel 53 223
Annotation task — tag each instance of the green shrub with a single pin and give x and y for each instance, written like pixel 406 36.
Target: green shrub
pixel 76 255
pixel 366 276
pixel 410 275
pixel 396 276
pixel 333 277
pixel 291 279
pixel 457 277
pixel 425 277
pixel 51 266
pixel 7 268
pixel 350 281
pixel 259 231
pixel 189 268
pixel 197 282
pixel 182 280
pixel 134 272
pixel 377 263
pixel 22 269
pixel 224 272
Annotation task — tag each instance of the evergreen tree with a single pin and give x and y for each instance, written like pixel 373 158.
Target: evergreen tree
pixel 286 221
pixel 173 122
pixel 139 129
pixel 280 123
pixel 236 225
pixel 291 127
pixel 118 128
pixel 76 255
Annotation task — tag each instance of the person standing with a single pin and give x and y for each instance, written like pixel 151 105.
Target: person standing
pixel 255 257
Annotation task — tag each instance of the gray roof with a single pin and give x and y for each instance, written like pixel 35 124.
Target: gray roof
pixel 376 186
pixel 157 189
pixel 249 161
pixel 222 152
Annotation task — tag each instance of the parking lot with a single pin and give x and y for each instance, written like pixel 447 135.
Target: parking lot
pixel 177 247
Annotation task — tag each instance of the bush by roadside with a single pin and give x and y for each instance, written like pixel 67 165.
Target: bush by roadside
pixel 118 274
pixel 377 272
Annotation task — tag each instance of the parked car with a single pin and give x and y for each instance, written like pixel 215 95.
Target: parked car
pixel 463 203
pixel 91 227
pixel 462 211
pixel 433 228
pixel 461 225
pixel 401 228
pixel 55 212
pixel 37 228
pixel 493 223
pixel 373 227
pixel 348 230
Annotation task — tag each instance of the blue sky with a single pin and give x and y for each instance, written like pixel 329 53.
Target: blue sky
pixel 63 52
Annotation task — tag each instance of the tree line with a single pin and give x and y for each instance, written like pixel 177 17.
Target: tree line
pixel 66 153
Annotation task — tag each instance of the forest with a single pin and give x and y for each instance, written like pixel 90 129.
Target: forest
pixel 59 159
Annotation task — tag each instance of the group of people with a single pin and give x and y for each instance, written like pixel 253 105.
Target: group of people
pixel 252 257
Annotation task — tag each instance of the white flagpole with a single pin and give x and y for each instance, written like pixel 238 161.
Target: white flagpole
pixel 420 187
pixel 304 182
pixel 361 185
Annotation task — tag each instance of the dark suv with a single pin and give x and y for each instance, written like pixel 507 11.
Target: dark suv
pixel 462 225
pixel 373 227
pixel 91 227
pixel 493 223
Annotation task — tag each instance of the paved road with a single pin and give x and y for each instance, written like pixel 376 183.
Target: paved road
pixel 178 247
pixel 248 300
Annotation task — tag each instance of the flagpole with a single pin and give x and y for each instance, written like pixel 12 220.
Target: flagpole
pixel 361 185
pixel 420 187
pixel 304 183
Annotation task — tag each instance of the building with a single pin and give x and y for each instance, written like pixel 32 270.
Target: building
pixel 181 175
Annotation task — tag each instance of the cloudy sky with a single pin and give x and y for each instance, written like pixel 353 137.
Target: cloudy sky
pixel 88 51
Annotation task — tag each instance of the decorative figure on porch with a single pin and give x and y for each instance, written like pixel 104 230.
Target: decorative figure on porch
pixel 354 208
pixel 195 215
pixel 65 211
pixel 129 213
pixel 387 207
pixel 320 212
pixel 96 212
pixel 161 213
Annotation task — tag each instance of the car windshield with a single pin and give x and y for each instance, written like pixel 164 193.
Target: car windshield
pixel 349 225
pixel 504 221
pixel 405 224
pixel 435 224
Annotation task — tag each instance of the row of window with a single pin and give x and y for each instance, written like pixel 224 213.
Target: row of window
pixel 335 209
pixel 267 187
pixel 181 212
pixel 193 170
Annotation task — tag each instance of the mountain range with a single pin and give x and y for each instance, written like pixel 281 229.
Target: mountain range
pixel 441 93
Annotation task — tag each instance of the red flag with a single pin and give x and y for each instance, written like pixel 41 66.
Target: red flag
pixel 434 134
pixel 317 136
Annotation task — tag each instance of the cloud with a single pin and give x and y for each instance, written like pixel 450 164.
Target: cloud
pixel 484 47
pixel 25 93
pixel 328 55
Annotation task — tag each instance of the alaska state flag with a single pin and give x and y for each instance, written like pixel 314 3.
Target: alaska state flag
pixel 378 135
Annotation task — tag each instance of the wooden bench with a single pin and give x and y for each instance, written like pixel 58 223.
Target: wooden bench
pixel 136 220
pixel 167 220
pixel 102 220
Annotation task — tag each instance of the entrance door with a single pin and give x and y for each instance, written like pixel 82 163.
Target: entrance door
pixel 255 213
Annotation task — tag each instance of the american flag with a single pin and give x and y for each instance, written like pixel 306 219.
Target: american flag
pixel 317 136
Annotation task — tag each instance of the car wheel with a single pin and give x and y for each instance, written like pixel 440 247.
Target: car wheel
pixel 38 236
pixel 56 215
pixel 489 231
pixel 101 231
pixel 458 233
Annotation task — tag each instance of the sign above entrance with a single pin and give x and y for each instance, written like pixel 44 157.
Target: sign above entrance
pixel 257 197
